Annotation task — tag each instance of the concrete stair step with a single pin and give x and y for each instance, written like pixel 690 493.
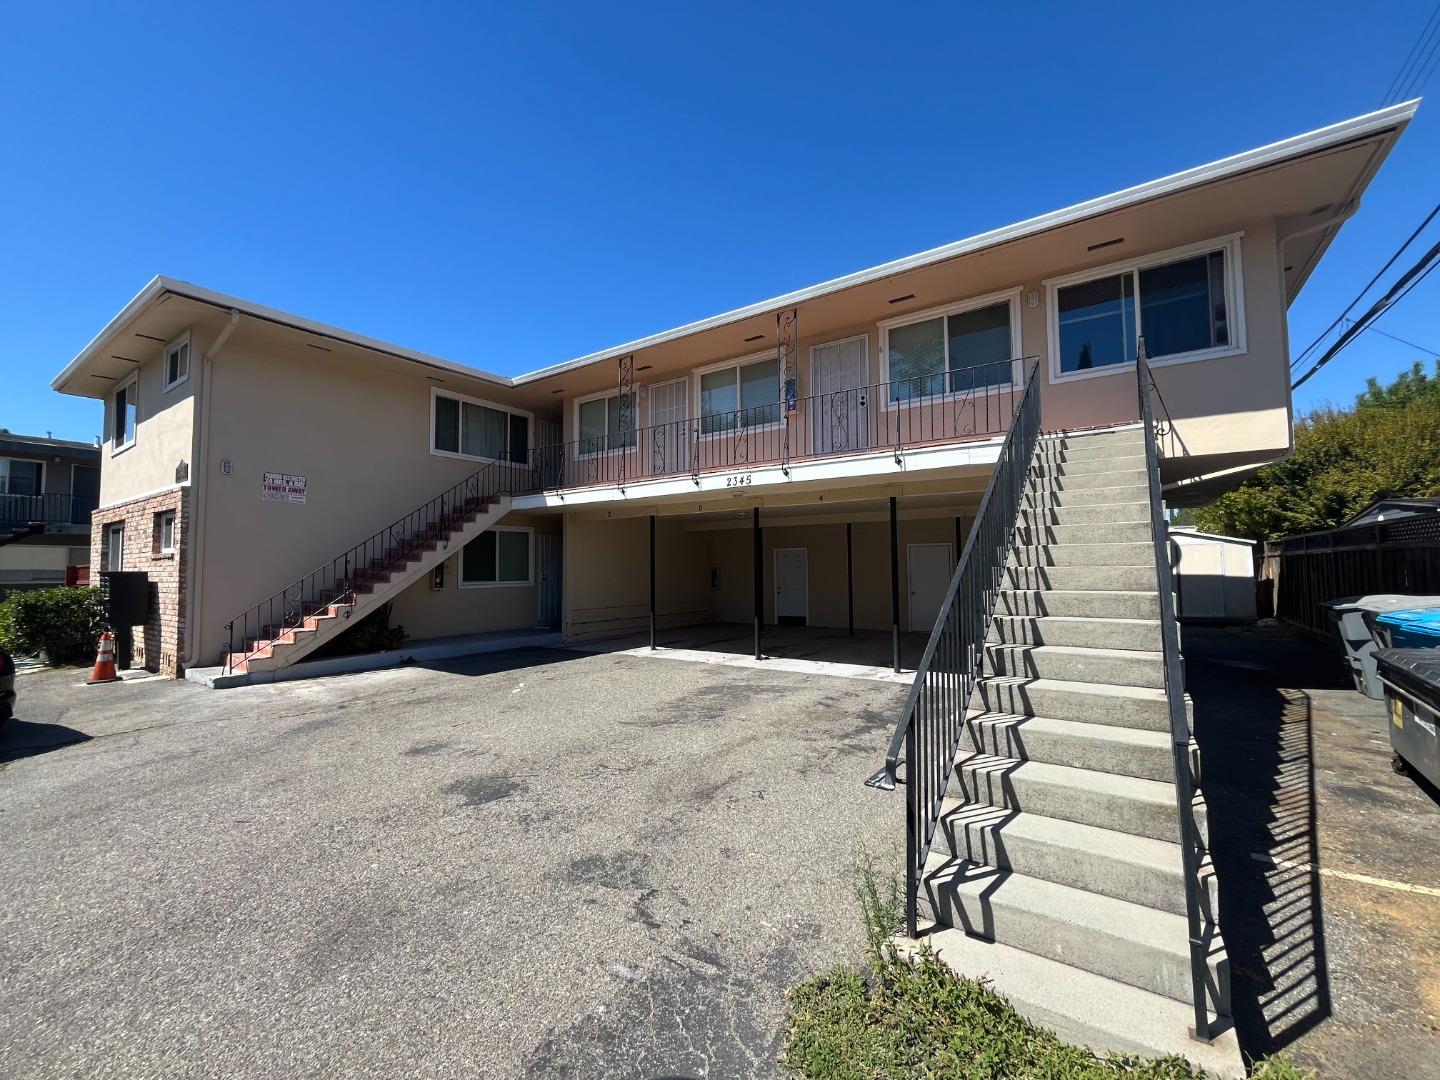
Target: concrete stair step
pixel 1092 703
pixel 1058 465
pixel 1096 553
pixel 1038 515
pixel 1131 943
pixel 1073 743
pixel 1095 442
pixel 1079 664
pixel 1033 532
pixel 1142 635
pixel 1083 578
pixel 1127 804
pixel 1129 495
pixel 1083 1007
pixel 1072 603
pixel 1139 869
pixel 1131 478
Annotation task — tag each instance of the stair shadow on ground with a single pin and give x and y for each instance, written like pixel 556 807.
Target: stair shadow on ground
pixel 1257 757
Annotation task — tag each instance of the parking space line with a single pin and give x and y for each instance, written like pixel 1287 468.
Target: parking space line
pixel 1363 879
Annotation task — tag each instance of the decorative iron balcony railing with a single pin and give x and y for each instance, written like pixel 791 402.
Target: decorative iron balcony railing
pixel 965 403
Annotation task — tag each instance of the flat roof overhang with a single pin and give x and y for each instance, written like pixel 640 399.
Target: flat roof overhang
pixel 1295 181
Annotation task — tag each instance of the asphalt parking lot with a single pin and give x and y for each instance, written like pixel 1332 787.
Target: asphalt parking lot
pixel 524 864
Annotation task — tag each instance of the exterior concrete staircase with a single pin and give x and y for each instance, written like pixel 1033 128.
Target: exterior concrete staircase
pixel 319 607
pixel 1056 867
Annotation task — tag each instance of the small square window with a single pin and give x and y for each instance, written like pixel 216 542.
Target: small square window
pixel 165 532
pixel 177 363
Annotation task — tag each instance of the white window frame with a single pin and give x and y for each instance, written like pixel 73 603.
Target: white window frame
pixel 106 562
pixel 737 363
pixel 436 392
pixel 604 395
pixel 183 339
pixel 1009 296
pixel 529 562
pixel 165 549
pixel 1234 305
pixel 33 461
pixel 117 447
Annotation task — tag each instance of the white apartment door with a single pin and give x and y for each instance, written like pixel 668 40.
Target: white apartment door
pixel 838 402
pixel 792 585
pixel 929 571
pixel 667 446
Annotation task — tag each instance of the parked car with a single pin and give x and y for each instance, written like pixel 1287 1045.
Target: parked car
pixel 7 686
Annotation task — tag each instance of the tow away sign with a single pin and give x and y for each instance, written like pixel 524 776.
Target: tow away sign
pixel 283 487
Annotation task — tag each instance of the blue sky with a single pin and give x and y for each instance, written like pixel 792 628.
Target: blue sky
pixel 514 185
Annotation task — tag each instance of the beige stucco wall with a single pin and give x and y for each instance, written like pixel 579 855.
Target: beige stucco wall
pixel 732 553
pixel 426 612
pixel 1224 408
pixel 164 431
pixel 361 437
pixel 607 576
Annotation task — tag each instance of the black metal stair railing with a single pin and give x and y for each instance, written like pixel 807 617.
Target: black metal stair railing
pixel 930 727
pixel 343 577
pixel 1192 845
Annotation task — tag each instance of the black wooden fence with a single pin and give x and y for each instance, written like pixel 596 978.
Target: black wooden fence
pixel 1305 571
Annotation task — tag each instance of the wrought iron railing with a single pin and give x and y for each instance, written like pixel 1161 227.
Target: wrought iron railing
pixel 47 508
pixel 891 417
pixel 930 727
pixel 1192 844
pixel 339 580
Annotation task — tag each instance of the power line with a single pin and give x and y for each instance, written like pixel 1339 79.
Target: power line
pixel 1369 284
pixel 1398 292
pixel 1417 48
pixel 1376 330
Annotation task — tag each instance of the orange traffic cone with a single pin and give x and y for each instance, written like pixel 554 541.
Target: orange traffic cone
pixel 104 662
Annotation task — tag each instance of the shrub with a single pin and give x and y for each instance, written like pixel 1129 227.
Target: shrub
pixel 373 633
pixel 62 623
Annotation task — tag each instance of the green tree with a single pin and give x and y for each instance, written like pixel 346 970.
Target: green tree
pixel 1386 445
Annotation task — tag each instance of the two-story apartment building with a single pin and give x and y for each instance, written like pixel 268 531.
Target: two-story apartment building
pixel 821 410
pixel 819 459
pixel 48 489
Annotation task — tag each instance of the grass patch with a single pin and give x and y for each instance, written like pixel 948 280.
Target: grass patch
pixel 917 1018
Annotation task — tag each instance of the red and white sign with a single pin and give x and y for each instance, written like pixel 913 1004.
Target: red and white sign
pixel 283 487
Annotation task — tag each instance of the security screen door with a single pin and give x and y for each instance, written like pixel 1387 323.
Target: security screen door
pixel 839 401
pixel 668 440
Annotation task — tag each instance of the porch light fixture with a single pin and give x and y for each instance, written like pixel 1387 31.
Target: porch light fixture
pixel 902 299
pixel 1106 243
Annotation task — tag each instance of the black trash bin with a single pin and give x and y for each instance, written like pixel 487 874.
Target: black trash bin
pixel 1411 678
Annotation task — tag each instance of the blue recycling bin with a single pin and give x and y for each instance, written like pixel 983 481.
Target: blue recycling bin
pixel 1413 628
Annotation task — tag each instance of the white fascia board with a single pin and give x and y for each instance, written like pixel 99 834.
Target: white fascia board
pixel 160 285
pixel 763 478
pixel 1296 146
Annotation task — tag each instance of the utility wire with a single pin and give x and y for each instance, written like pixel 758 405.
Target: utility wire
pixel 1376 330
pixel 1369 284
pixel 1418 49
pixel 1398 291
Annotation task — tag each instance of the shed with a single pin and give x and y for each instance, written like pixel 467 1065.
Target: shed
pixel 1215 576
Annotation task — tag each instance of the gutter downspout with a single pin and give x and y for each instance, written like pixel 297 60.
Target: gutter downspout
pixel 200 487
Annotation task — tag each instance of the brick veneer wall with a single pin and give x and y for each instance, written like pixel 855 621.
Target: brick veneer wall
pixel 159 646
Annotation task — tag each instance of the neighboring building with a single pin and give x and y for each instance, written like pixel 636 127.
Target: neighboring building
pixel 1394 510
pixel 814 459
pixel 48 490
pixel 1215 576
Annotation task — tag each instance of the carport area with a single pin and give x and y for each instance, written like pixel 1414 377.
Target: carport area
pixel 519 864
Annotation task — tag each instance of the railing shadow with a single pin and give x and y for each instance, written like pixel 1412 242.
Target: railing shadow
pixel 1256 745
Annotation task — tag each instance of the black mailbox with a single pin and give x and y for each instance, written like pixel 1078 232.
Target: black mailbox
pixel 125 595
